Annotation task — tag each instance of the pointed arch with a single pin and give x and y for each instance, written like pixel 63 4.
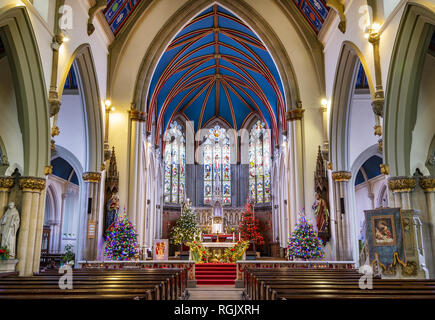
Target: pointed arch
pixel 349 59
pixel 83 62
pixel 403 85
pixel 31 94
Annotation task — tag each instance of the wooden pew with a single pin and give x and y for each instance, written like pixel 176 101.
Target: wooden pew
pixel 98 284
pixel 273 284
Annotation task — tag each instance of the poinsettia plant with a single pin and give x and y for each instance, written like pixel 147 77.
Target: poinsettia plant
pixel 4 253
pixel 248 227
pixel 236 252
pixel 198 252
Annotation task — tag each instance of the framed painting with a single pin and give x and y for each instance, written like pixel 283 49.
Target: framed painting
pixel 161 249
pixel 384 230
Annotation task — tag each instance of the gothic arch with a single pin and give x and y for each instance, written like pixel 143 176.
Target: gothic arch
pixel 31 93
pixel 403 84
pixel 83 62
pixel 184 15
pixel 344 81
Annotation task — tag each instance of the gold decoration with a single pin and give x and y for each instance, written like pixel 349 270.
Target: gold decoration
pixel 55 131
pixel 402 184
pixel 102 167
pixel 409 269
pixel 137 115
pixel 378 103
pixel 52 145
pixel 94 177
pixel 378 130
pixel 48 170
pixel 380 144
pixel 6 182
pixel 341 176
pixel 295 114
pixel 427 184
pixel 330 165
pixel 385 169
pixel 32 183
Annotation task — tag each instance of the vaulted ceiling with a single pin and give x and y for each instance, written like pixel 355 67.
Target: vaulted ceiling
pixel 216 67
pixel 314 11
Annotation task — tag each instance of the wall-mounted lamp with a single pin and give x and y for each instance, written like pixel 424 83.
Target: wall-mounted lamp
pixel 372 32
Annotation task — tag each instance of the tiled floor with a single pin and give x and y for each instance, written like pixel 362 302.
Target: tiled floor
pixel 215 293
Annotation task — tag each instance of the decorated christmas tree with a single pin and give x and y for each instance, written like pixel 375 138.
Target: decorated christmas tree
pixel 304 242
pixel 121 240
pixel 186 226
pixel 248 227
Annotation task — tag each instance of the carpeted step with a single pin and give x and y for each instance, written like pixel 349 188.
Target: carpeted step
pixel 215 273
pixel 215 282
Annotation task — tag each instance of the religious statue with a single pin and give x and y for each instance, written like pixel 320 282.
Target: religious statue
pixel 9 225
pixel 112 207
pixel 321 211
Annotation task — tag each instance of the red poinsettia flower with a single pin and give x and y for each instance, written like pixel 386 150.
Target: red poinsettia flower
pixel 2 251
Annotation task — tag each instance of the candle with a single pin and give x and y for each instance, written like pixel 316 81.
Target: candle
pixel 234 238
pixel 239 236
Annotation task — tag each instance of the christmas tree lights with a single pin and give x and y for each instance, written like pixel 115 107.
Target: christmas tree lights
pixel 186 226
pixel 121 240
pixel 248 227
pixel 304 242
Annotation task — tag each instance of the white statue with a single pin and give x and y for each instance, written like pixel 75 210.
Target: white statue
pixel 8 228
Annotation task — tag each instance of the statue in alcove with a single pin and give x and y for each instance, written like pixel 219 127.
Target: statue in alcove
pixel 321 211
pixel 9 225
pixel 320 205
pixel 112 208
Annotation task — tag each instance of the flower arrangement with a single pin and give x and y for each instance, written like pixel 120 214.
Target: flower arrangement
pixel 235 253
pixel 198 252
pixel 4 253
pixel 68 255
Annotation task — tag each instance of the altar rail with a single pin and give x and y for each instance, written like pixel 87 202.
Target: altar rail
pixel 243 265
pixel 141 264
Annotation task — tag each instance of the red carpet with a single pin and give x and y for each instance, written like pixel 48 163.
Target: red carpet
pixel 215 273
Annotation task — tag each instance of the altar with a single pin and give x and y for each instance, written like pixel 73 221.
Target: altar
pixel 217 248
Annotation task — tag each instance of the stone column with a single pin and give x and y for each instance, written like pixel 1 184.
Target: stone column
pixel 295 165
pixel 342 214
pixel 428 185
pixel 6 183
pixel 30 209
pixel 136 178
pixel 39 230
pixel 93 181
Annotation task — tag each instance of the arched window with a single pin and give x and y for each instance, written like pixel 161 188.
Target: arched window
pixel 259 163
pixel 175 164
pixel 217 167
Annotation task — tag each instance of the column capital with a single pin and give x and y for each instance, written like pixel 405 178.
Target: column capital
pixel 32 183
pixel 137 115
pixel 341 176
pixel 94 177
pixel 427 183
pixel 6 182
pixel 378 102
pixel 295 114
pixel 402 184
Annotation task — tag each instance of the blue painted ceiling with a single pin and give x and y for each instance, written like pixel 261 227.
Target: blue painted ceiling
pixel 63 169
pixel 372 169
pixel 216 67
pixel 117 12
pixel 314 11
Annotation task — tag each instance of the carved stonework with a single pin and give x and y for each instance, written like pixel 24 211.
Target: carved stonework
pixel 137 115
pixel 378 130
pixel 93 177
pixel 427 183
pixel 99 6
pixel 380 145
pixel 402 184
pixel 48 170
pixel 378 105
pixel 54 102
pixel 111 199
pixel 341 176
pixel 31 183
pixel 6 182
pixel 55 131
pixel 321 205
pixel 385 169
pixel 295 114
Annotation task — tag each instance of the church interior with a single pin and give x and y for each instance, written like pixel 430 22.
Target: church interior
pixel 229 149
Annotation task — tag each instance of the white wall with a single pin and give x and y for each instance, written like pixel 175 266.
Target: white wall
pixel 424 129
pixel 361 132
pixel 71 122
pixel 10 131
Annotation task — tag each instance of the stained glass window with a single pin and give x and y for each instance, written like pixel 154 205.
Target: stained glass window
pixel 175 164
pixel 217 166
pixel 259 163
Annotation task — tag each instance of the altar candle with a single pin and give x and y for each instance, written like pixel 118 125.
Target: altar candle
pixel 239 236
pixel 234 238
